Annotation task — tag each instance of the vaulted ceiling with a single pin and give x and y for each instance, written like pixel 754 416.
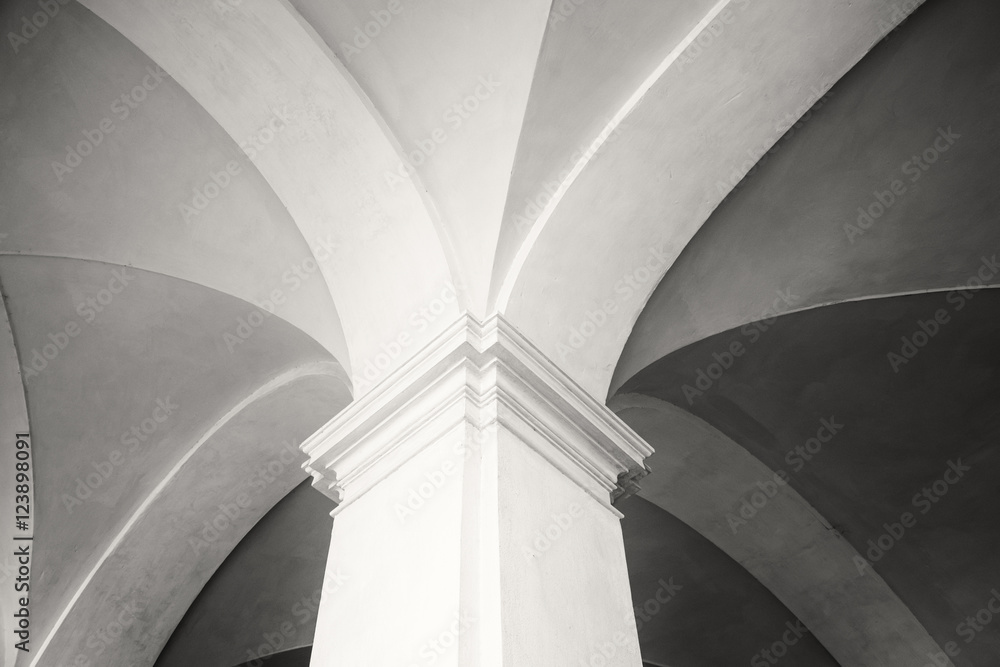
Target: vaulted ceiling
pixel 225 220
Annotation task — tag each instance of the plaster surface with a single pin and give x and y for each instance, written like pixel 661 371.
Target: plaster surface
pixel 153 359
pixel 283 559
pixel 122 204
pixel 273 577
pixel 398 261
pixel 702 477
pixel 595 57
pixel 451 80
pixel 783 230
pixel 328 170
pixel 717 598
pixel 902 431
pixel 171 547
pixel 637 208
pixel 480 482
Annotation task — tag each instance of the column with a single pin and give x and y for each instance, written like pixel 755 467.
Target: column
pixel 474 524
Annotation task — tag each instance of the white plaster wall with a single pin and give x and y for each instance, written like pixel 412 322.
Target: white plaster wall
pixel 568 602
pixel 402 574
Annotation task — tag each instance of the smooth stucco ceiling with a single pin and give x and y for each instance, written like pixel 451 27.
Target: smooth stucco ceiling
pixel 272 578
pixel 901 432
pixel 783 231
pixel 842 303
pixel 582 168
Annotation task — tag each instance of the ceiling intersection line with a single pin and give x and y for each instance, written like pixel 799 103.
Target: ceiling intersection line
pixel 595 146
pixel 448 247
pixel 282 380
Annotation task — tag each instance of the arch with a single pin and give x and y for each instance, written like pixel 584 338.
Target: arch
pixel 128 586
pixel 637 208
pixel 388 248
pixel 701 476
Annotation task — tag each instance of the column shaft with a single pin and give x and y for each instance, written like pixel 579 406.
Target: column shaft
pixel 474 524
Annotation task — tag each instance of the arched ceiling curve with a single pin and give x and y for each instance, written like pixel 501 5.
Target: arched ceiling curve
pixel 395 249
pixel 597 57
pixel 124 203
pixel 702 477
pixel 896 454
pixel 687 592
pixel 784 310
pixel 274 577
pixel 159 562
pixel 327 169
pixel 454 226
pixel 120 396
pixel 641 199
pixel 451 79
pixel 790 238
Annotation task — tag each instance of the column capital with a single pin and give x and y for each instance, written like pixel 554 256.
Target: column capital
pixel 473 378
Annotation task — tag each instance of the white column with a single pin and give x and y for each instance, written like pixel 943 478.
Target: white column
pixel 474 524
